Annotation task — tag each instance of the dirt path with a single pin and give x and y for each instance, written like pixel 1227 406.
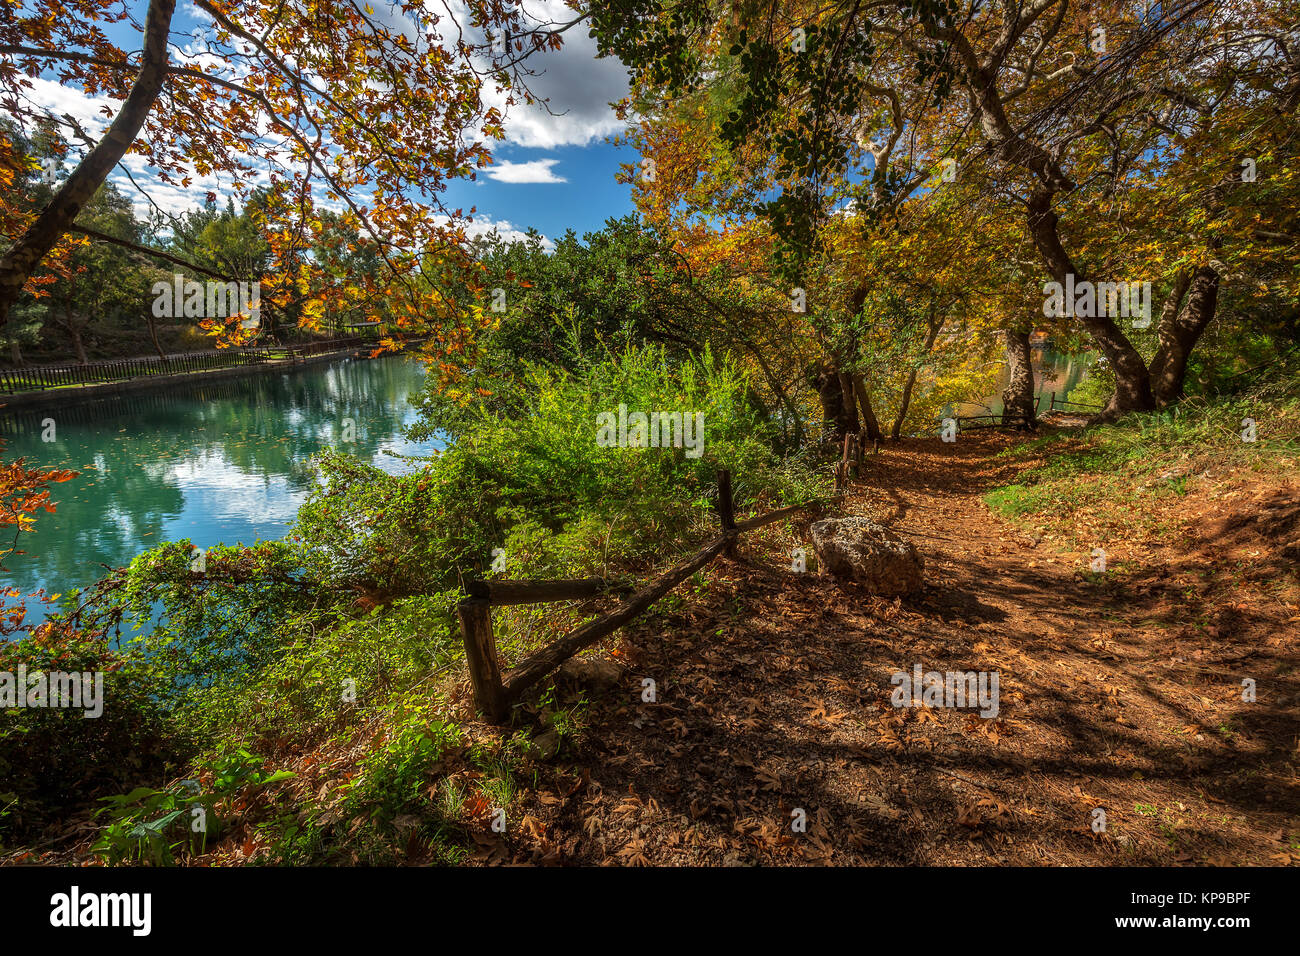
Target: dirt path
pixel 773 697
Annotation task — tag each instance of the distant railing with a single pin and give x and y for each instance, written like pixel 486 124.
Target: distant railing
pixel 1000 420
pixel 1004 418
pixel 41 377
pixel 331 345
pixel 1060 403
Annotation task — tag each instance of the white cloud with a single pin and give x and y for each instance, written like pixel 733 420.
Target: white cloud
pixel 534 171
pixel 59 100
pixel 485 225
pixel 56 100
pixel 575 86
pixel 177 199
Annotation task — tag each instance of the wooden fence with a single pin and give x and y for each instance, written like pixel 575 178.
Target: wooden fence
pixel 41 377
pixel 495 694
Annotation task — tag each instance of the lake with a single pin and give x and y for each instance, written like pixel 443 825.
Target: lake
pixel 1053 372
pixel 219 463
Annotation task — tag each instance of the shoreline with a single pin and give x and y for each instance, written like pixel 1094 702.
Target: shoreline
pixel 79 394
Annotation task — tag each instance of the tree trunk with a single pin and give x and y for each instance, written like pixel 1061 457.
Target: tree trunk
pixel 1132 381
pixel 849 405
pixel 153 334
pixel 74 333
pixel 16 352
pixel 831 392
pixel 23 257
pixel 903 404
pixel 857 393
pixel 869 422
pixel 1018 397
pixel 1180 329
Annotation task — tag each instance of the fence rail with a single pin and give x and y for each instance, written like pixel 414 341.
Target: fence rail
pixel 1061 403
pixel 494 695
pixel 1000 420
pixel 1004 418
pixel 41 377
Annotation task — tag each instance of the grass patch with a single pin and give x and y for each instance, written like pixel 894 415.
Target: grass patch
pixel 1112 478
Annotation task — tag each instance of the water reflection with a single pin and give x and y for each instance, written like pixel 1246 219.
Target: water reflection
pixel 1053 372
pixel 225 462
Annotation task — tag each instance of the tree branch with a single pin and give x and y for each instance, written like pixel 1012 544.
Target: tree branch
pixel 156 253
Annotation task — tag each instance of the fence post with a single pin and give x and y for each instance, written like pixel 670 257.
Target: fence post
pixel 726 511
pixel 842 470
pixel 481 656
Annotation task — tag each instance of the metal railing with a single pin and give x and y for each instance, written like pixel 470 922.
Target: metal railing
pixel 41 377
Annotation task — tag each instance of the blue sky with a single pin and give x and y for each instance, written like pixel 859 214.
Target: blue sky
pixel 587 197
pixel 555 170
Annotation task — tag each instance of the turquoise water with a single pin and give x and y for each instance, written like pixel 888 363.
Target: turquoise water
pixel 1053 372
pixel 223 463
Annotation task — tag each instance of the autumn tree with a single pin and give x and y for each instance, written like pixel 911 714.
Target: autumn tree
pixel 24 493
pixel 790 323
pixel 1065 110
pixel 374 108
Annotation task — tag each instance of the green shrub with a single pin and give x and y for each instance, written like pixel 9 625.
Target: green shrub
pixel 1096 386
pixel 344 624
pixel 53 759
pixel 542 488
pixel 395 775
pixel 152 826
pixel 325 681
